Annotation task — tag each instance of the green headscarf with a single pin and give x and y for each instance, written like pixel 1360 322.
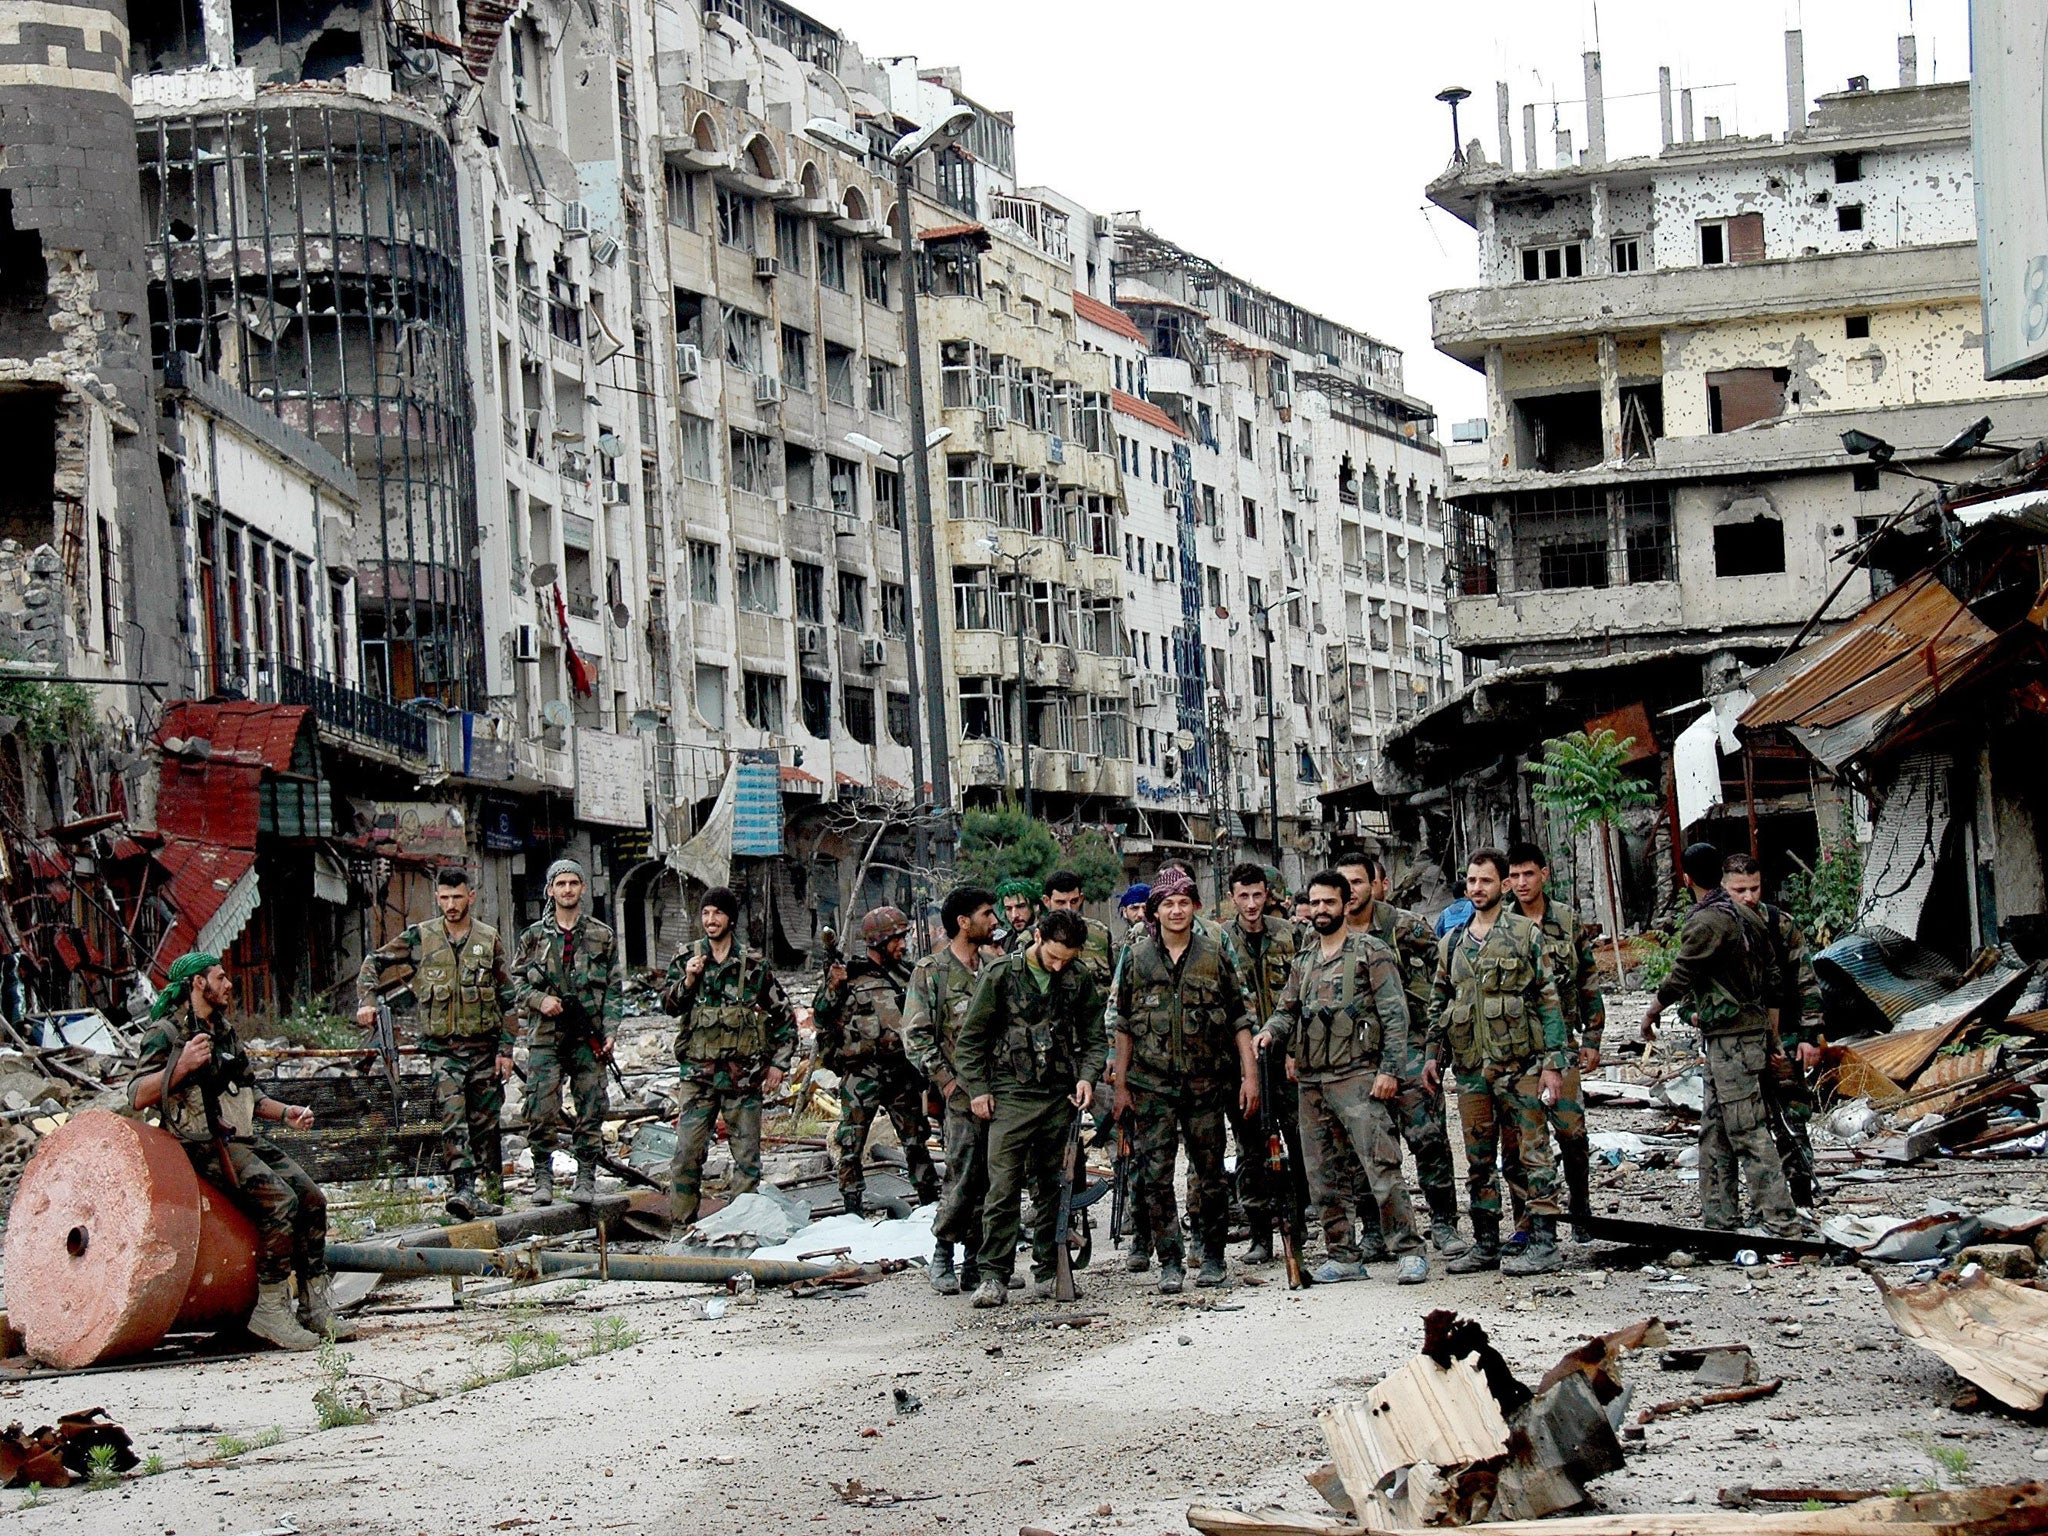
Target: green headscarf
pixel 1020 885
pixel 185 970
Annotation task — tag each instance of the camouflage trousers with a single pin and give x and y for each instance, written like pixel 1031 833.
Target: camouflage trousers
pixel 1793 1099
pixel 1490 1097
pixel 1027 1146
pixel 1420 1116
pixel 1734 1131
pixel 1348 1138
pixel 469 1096
pixel 701 1105
pixel 1161 1123
pixel 287 1207
pixel 1567 1119
pixel 1265 1204
pixel 546 1066
pixel 898 1092
pixel 958 1218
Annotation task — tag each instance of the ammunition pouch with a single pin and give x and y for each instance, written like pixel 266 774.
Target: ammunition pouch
pixel 724 1030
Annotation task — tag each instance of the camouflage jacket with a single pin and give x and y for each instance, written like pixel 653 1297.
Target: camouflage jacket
pixel 1183 1020
pixel 461 991
pixel 1029 1031
pixel 579 965
pixel 1726 975
pixel 1345 1014
pixel 1099 953
pixel 1408 935
pixel 736 1023
pixel 1263 961
pixel 1799 995
pixel 228 1077
pixel 860 1021
pixel 941 989
pixel 1494 999
pixel 1568 941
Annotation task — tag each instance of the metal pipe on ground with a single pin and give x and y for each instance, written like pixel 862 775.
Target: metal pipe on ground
pixel 492 1262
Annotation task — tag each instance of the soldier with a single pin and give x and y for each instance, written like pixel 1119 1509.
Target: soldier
pixel 734 1044
pixel 1063 894
pixel 1726 975
pixel 1131 908
pixel 1417 1108
pixel 196 1075
pixel 1262 944
pixel 941 988
pixel 1018 896
pixel 1798 1026
pixel 1494 1006
pixel 458 979
pixel 1025 1051
pixel 1183 1050
pixel 859 1017
pixel 1343 1022
pixel 565 980
pixel 1568 941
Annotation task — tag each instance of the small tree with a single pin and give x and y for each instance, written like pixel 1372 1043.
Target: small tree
pixel 1094 858
pixel 1000 844
pixel 1826 898
pixel 1588 784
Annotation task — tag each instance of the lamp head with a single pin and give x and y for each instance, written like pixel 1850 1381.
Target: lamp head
pixel 1970 437
pixel 943 134
pixel 1866 445
pixel 866 444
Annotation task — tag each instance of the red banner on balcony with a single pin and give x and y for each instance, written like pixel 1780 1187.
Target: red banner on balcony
pixel 579 670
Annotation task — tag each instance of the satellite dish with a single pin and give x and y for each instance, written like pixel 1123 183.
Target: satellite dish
pixel 1221 611
pixel 621 615
pixel 556 712
pixel 543 575
pixel 1184 739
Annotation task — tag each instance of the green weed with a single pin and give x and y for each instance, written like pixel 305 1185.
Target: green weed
pixel 153 1464
pixel 335 1404
pixel 612 1333
pixel 99 1467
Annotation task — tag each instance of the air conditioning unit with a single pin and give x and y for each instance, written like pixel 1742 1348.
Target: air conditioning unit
pixel 1104 586
pixel 1128 665
pixel 767 389
pixel 617 494
pixel 766 269
pixel 1216 530
pixel 689 361
pixel 1296 484
pixel 1169 764
pixel 810 639
pixel 1076 763
pixel 1309 493
pixel 526 642
pixel 873 652
pixel 603 248
pixel 1211 375
pixel 993 419
pixel 1161 573
pixel 1148 690
pixel 1283 400
pixel 575 219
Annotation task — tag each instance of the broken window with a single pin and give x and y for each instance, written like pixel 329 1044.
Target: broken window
pixel 874 277
pixel 166 36
pixel 1244 438
pixel 807 584
pixel 1647 534
pixel 858 705
pixel 1555 432
pixel 1626 254
pixel 735 219
pixel 1548 263
pixel 1738 238
pixel 762 700
pixel 902 721
pixel 1752 548
pixel 796 360
pixel 792 236
pixel 742 338
pixel 952 269
pixel 758 582
pixel 24 288
pixel 1849 217
pixel 1739 397
pixel 28 425
pixel 832 261
pixel 982 715
pixel 1848 168
pixel 815 699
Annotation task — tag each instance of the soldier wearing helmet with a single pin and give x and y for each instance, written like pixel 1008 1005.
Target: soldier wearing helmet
pixel 858 1013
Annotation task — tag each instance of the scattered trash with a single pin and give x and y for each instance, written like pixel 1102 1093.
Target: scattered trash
pixel 907 1401
pixel 58 1455
pixel 864 1242
pixel 854 1491
pixel 759 1219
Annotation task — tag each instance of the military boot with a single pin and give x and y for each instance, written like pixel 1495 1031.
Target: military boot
pixel 586 1184
pixel 462 1198
pixel 490 1200
pixel 945 1279
pixel 855 1202
pixel 1261 1249
pixel 273 1322
pixel 316 1309
pixel 970 1273
pixel 543 1177
pixel 1171 1276
pixel 1540 1257
pixel 1443 1224
pixel 1579 1202
pixel 1485 1250
pixel 992 1292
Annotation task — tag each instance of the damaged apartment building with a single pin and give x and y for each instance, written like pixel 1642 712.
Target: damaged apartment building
pixel 1673 345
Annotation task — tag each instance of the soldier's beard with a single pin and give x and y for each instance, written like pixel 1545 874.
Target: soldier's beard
pixel 1327 923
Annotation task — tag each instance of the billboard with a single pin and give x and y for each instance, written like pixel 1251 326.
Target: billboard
pixel 611 783
pixel 2009 133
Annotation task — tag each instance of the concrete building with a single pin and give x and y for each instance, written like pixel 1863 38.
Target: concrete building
pixel 1673 344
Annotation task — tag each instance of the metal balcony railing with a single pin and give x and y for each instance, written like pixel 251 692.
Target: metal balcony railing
pixel 357 713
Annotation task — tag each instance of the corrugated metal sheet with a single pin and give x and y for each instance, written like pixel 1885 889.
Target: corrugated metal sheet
pixel 203 878
pixel 263 734
pixel 1844 694
pixel 1877 977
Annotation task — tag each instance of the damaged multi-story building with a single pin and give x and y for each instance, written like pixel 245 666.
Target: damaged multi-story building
pixel 1674 345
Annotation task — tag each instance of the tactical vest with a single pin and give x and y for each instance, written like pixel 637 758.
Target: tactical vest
pixel 718 1031
pixel 1488 1018
pixel 930 979
pixel 1737 998
pixel 870 1021
pixel 183 1109
pixel 1183 1026
pixel 1041 1044
pixel 457 987
pixel 1341 1031
pixel 1265 968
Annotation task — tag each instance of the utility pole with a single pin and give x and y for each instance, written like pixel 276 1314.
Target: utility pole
pixel 1264 614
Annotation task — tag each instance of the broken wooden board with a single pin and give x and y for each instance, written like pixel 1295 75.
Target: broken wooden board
pixel 1855 1077
pixel 1991 1332
pixel 1422 1413
pixel 1268 1522
pixel 1900 1057
pixel 2013 1510
pixel 1713 1242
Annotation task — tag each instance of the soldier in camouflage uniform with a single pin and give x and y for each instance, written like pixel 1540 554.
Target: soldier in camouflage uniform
pixel 941 988
pixel 1417 1108
pixel 1726 977
pixel 1343 1022
pixel 1798 1026
pixel 1261 945
pixel 455 969
pixel 735 1041
pixel 1494 1006
pixel 1019 898
pixel 1025 1052
pixel 858 1012
pixel 1568 941
pixel 565 979
pixel 1183 1051
pixel 1063 894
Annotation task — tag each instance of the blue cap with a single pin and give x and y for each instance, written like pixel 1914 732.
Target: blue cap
pixel 1136 896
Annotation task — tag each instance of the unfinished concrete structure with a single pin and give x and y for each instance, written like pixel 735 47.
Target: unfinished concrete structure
pixel 1673 345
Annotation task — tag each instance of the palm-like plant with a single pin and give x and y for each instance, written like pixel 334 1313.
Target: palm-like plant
pixel 1588 784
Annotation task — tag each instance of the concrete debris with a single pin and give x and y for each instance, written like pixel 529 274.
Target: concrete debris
pixel 1991 1332
pixel 58 1455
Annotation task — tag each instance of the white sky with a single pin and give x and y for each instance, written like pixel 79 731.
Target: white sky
pixel 1289 141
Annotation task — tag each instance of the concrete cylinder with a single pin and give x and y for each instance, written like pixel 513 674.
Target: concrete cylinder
pixel 114 1241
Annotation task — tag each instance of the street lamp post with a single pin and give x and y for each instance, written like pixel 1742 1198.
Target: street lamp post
pixel 1265 616
pixel 1023 677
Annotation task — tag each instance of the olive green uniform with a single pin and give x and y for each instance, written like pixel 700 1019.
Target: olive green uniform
pixel 579 965
pixel 1343 1019
pixel 1494 1005
pixel 734 1025
pixel 1184 1019
pixel 935 1005
pixel 1568 942
pixel 1028 1037
pixel 1418 1112
pixel 860 1036
pixel 260 1180
pixel 462 991
pixel 1264 959
pixel 1798 1024
pixel 1727 979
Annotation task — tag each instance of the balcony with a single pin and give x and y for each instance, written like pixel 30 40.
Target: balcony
pixel 353 713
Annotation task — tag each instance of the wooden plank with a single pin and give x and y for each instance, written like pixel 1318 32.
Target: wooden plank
pixel 1419 1413
pixel 1267 1522
pixel 2014 1510
pixel 1900 1057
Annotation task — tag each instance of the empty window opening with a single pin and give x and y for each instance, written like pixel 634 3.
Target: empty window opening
pixel 1642 420
pixel 1752 548
pixel 1548 263
pixel 1849 216
pixel 1856 327
pixel 1848 168
pixel 1559 432
pixel 24 288
pixel 28 425
pixel 1739 397
pixel 1864 477
pixel 166 36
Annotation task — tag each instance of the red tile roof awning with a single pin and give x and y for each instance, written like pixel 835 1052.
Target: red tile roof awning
pixel 974 232
pixel 212 891
pixel 789 775
pixel 1107 316
pixel 1143 410
pixel 263 734
pixel 846 780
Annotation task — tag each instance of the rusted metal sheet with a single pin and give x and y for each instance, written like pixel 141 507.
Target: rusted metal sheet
pixel 1629 723
pixel 1990 1331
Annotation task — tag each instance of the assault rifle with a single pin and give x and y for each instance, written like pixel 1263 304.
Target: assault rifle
pixel 1072 1236
pixel 1280 1167
pixel 574 1023
pixel 386 1041
pixel 1120 1180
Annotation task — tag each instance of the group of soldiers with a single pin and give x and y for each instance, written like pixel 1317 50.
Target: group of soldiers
pixel 1354 1012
